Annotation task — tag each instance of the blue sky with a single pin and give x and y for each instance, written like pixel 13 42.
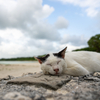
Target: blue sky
pixel 79 22
pixel 36 27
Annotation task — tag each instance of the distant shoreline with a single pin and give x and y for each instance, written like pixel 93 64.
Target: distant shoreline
pixel 18 59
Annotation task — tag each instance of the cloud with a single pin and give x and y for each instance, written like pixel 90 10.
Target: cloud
pixel 16 44
pixel 91 6
pixel 13 44
pixel 45 12
pixel 1 40
pixel 28 16
pixel 70 47
pixel 22 13
pixel 61 23
pixel 24 30
pixel 74 40
pixel 42 46
pixel 43 30
pixel 98 22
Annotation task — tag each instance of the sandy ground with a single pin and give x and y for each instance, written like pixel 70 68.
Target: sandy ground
pixel 18 69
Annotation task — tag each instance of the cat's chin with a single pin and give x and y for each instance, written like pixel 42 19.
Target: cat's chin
pixel 56 74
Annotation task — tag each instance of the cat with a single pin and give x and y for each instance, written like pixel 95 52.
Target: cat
pixel 75 63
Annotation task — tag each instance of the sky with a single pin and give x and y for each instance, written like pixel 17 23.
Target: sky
pixel 36 27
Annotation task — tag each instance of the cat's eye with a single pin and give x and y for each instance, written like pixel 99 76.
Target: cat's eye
pixel 58 61
pixel 49 64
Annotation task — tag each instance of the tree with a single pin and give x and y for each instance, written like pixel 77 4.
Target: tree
pixel 94 43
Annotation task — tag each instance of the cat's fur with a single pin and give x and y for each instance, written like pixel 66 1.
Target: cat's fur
pixel 72 63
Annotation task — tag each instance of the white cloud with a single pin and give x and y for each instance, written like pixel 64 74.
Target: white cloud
pixel 70 47
pixel 98 22
pixel 91 12
pixel 91 6
pixel 15 44
pixel 45 12
pixel 74 40
pixel 43 30
pixel 22 21
pixel 24 31
pixel 61 23
pixel 12 43
pixel 28 16
pixel 21 13
pixel 1 40
pixel 9 34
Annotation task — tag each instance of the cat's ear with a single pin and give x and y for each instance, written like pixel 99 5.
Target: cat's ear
pixel 38 59
pixel 42 59
pixel 62 52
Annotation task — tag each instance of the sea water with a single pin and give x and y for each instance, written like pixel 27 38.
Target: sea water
pixel 16 62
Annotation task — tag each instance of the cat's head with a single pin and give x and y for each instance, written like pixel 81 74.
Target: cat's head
pixel 52 63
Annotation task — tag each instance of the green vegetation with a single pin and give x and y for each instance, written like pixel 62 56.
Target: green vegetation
pixel 19 59
pixel 94 44
pixel 84 49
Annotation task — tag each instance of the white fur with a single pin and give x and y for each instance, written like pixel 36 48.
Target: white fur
pixel 74 63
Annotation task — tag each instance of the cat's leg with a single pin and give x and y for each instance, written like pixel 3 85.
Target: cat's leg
pixel 76 70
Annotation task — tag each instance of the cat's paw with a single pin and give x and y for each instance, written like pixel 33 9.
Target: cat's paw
pixel 45 73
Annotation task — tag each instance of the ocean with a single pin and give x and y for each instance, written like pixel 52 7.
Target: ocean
pixel 16 62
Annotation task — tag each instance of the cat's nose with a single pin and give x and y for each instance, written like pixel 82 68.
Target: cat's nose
pixel 56 70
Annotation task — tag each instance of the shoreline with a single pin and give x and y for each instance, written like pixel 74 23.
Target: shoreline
pixel 17 62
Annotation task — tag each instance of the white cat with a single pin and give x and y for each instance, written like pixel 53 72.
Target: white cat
pixel 72 63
